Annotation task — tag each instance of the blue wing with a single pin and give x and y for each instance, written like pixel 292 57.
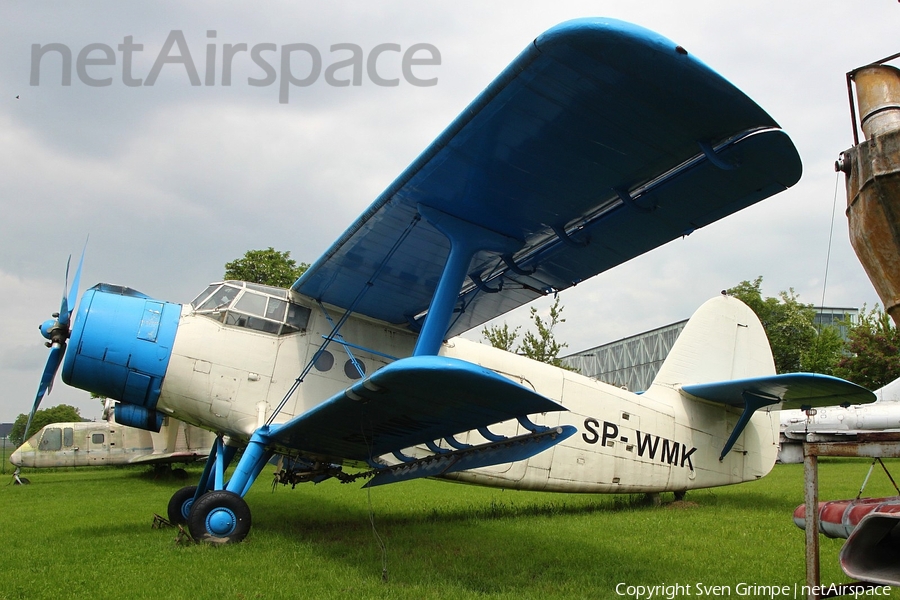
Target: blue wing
pixel 411 401
pixel 599 142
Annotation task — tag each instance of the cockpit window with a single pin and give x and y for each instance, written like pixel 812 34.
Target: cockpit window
pixel 51 441
pixel 252 306
pixel 251 303
pixel 209 290
pixel 220 299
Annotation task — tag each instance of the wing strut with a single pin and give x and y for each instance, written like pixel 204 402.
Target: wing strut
pixel 465 240
pixel 336 328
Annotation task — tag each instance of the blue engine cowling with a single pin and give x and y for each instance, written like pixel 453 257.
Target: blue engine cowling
pixel 119 348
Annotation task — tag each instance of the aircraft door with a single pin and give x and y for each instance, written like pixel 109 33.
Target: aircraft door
pixel 97 442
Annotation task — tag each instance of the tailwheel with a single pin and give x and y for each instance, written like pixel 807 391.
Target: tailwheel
pixel 179 508
pixel 219 517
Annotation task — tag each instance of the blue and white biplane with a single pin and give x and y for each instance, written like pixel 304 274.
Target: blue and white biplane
pixel 599 142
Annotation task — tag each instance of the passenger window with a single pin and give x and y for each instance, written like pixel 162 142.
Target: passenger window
pixel 325 361
pixel 68 437
pixel 97 438
pixel 51 441
pixel 351 371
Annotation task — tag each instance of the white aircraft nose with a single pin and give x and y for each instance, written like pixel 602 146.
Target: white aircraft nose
pixel 17 458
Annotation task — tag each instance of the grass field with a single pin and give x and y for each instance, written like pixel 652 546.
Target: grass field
pixel 87 534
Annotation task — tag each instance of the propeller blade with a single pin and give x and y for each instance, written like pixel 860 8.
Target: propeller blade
pixel 65 313
pixel 53 362
pixel 64 305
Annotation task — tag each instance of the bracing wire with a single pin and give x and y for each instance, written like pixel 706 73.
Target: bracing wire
pixel 830 238
pixel 378 538
pixel 827 259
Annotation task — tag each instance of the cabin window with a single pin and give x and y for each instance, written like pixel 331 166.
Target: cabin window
pixel 351 371
pixel 325 361
pixel 68 437
pixel 51 441
pixel 97 438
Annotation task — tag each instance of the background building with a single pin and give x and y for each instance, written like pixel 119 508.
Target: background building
pixel 634 361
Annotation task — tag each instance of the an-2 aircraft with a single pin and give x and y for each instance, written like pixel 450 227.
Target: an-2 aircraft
pixel 600 141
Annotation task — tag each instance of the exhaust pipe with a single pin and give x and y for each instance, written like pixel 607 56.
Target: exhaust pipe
pixel 872 552
pixel 872 529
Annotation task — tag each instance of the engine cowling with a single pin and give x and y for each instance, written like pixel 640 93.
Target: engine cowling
pixel 120 347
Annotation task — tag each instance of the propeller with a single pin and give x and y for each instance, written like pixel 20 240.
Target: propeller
pixel 56 330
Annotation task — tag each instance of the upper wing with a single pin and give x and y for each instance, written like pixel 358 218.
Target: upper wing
pixel 601 141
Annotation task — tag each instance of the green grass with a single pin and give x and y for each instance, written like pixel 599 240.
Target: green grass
pixel 86 534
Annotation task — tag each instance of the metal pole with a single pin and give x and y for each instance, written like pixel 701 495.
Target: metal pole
pixel 811 489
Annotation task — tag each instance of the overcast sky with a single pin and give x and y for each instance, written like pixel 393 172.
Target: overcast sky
pixel 171 181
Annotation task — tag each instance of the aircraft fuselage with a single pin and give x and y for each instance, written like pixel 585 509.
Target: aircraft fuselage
pixel 230 379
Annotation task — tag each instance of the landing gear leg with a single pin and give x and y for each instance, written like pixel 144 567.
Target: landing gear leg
pixel 221 516
pixel 220 456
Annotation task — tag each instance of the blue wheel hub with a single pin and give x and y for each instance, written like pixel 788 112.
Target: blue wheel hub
pixel 186 508
pixel 221 522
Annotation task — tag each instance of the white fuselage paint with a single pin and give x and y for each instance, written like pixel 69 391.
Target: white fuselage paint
pixel 229 380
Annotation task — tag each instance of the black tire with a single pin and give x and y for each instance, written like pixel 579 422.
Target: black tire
pixel 180 505
pixel 219 517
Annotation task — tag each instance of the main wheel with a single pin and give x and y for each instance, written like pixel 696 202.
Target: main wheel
pixel 219 517
pixel 180 505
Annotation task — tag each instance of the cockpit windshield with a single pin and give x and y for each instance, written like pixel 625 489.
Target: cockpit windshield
pixel 252 306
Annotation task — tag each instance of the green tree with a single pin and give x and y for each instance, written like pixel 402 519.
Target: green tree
pixel 61 413
pixel 268 267
pixel 540 345
pixel 873 358
pixel 501 337
pixel 797 344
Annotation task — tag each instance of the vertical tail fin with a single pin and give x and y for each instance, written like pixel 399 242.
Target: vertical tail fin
pixel 723 340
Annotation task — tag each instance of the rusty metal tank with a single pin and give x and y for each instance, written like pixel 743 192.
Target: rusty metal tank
pixel 873 181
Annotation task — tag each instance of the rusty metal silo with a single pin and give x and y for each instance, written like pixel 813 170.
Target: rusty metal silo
pixel 872 168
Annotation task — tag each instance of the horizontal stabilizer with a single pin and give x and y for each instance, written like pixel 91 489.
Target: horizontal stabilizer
pixel 790 390
pixel 409 402
pixel 484 455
